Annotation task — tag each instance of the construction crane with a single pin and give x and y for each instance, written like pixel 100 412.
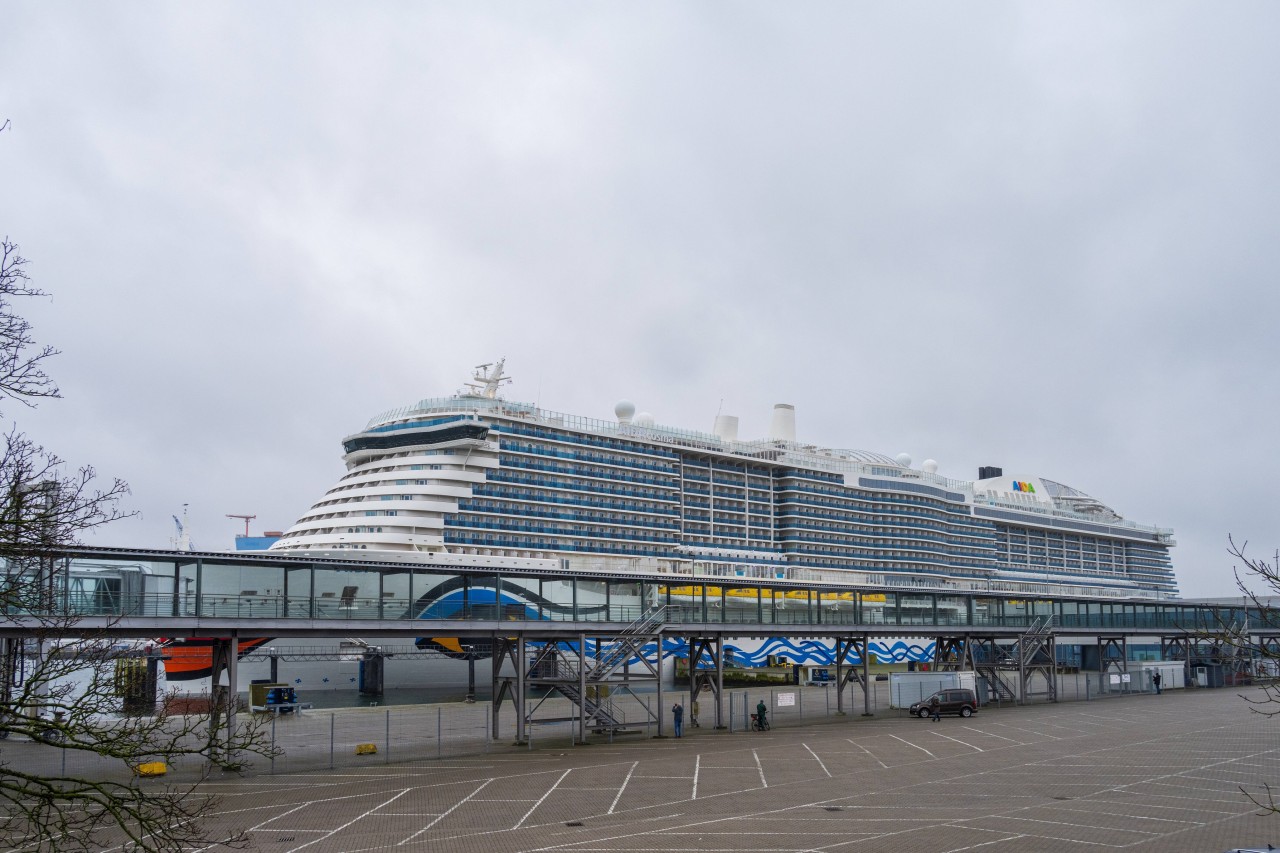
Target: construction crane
pixel 247 519
pixel 182 541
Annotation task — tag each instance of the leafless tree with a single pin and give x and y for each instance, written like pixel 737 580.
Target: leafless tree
pixel 78 711
pixel 1258 581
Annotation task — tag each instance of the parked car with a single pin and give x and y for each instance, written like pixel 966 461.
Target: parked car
pixel 950 701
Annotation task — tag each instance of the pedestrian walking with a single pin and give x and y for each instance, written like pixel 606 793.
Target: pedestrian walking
pixel 1156 679
pixel 937 708
pixel 677 715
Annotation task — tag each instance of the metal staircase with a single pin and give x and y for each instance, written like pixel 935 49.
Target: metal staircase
pixel 628 643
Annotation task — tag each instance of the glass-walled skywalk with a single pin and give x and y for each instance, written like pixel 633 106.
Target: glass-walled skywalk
pixel 184 585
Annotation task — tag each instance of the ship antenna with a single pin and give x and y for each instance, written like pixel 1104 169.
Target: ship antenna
pixel 485 382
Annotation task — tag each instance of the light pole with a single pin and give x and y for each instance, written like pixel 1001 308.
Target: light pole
pixel 471 673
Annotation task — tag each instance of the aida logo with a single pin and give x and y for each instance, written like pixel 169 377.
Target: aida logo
pixel 1023 487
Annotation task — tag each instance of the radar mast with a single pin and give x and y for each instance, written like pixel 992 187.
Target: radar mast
pixel 486 382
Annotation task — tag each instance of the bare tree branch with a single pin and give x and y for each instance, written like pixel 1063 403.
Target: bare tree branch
pixel 22 375
pixel 67 693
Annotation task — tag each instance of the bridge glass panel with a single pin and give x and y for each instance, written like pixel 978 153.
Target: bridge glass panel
pixel 244 590
pixel 394 594
pixel 626 601
pixel 879 608
pixel 836 607
pixel 686 604
pixel 593 605
pixel 1041 608
pixel 1017 613
pixel 986 611
pixel 791 606
pixel 715 604
pixel 522 598
pixel 1069 614
pixel 742 605
pixel 953 610
pixel 555 600
pixel 914 609
pixel 766 605
pixel 436 595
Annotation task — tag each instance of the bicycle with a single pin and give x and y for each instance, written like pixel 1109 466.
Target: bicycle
pixel 759 723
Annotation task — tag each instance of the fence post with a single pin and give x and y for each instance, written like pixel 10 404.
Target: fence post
pixel 386 759
pixel 439 732
pixel 274 717
pixel 332 720
pixel 484 723
pixel 800 701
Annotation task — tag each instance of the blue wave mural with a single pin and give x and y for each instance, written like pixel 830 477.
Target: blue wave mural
pixel 519 603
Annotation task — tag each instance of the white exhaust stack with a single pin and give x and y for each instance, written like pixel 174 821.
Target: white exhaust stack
pixel 784 423
pixel 726 427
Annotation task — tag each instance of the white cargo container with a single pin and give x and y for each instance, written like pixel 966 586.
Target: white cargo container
pixel 1173 675
pixel 907 688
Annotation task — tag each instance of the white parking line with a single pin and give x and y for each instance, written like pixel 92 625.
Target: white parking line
pixel 544 796
pixel 817 759
pixel 957 740
pixel 697 768
pixel 980 844
pixel 760 767
pixel 993 734
pixel 336 830
pixel 614 804
pixel 868 752
pixel 446 813
pixel 916 745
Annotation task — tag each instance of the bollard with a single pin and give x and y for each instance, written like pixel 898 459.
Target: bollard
pixel 387 759
pixel 332 718
pixel 274 717
pixel 800 701
pixel 648 718
pixel 439 732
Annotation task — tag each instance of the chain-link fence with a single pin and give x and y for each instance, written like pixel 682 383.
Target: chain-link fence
pixel 323 739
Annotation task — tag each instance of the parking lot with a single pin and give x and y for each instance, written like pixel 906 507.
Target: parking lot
pixel 1141 773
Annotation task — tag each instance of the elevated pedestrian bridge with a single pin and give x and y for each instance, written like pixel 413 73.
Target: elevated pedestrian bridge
pixel 586 634
pixel 146 593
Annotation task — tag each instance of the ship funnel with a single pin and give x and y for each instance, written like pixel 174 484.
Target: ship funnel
pixel 726 427
pixel 784 423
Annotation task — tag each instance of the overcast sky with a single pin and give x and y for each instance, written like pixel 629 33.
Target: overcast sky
pixel 1036 236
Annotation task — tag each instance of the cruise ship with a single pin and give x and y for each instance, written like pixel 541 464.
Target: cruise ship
pixel 475 480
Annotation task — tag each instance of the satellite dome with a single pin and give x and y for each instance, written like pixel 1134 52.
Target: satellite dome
pixel 644 419
pixel 903 459
pixel 929 466
pixel 624 409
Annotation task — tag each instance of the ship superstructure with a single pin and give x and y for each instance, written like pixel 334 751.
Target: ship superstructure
pixel 473 478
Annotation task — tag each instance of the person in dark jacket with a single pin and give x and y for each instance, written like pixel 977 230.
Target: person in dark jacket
pixel 761 710
pixel 1156 679
pixel 937 708
pixel 677 715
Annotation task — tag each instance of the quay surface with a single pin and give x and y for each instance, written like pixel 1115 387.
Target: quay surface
pixel 1140 773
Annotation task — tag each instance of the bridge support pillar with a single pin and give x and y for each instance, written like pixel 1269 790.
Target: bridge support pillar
pixel 847 672
pixel 507 650
pixel 224 677
pixel 711 680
